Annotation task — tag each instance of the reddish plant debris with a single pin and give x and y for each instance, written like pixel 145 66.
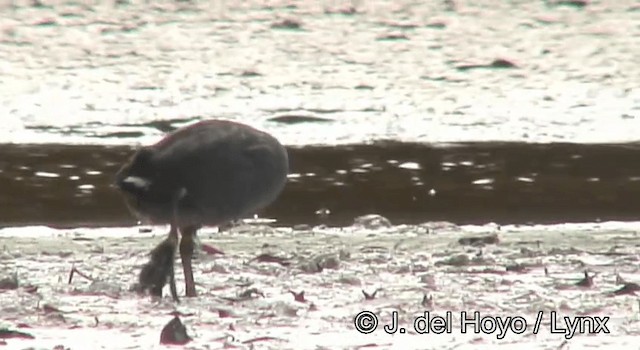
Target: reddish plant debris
pixel 587 281
pixel 30 289
pixel 629 288
pixel 211 250
pixel 23 325
pixel 48 309
pixel 268 258
pixel 299 297
pixel 6 333
pixel 371 296
pixel 74 271
pixel 60 347
pixel 174 333
pixel 223 313
pixel 478 340
pixel 255 340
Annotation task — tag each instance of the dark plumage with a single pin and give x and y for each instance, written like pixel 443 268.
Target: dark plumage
pixel 208 173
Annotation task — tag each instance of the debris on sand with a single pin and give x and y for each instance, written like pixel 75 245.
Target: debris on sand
pixel 299 118
pixel 259 339
pixel 371 296
pixel 299 297
pixel 268 258
pixel 75 271
pixel 259 299
pixel 222 313
pixel 289 24
pixel 174 333
pixel 587 281
pixel 619 279
pixel 516 268
pixel 427 300
pixel 49 309
pixel 9 282
pixel 392 37
pixel 6 333
pixel 245 295
pixel 346 11
pixel 629 288
pixel 499 63
pixel 211 250
pixel 479 240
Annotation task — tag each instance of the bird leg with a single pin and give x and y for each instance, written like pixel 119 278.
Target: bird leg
pixel 186 253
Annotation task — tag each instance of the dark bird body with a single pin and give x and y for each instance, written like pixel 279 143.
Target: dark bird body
pixel 205 174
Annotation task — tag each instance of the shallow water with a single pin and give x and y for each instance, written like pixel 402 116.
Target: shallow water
pixel 396 70
pixel 404 262
pixel 69 186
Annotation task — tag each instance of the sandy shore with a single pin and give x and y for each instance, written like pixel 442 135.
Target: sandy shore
pixel 404 263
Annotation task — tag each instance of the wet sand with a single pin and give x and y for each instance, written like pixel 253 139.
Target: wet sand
pixel 443 71
pixel 404 263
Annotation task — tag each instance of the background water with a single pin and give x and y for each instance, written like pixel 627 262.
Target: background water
pixel 506 183
pixel 434 71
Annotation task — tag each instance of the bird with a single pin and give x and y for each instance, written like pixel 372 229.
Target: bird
pixel 209 173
